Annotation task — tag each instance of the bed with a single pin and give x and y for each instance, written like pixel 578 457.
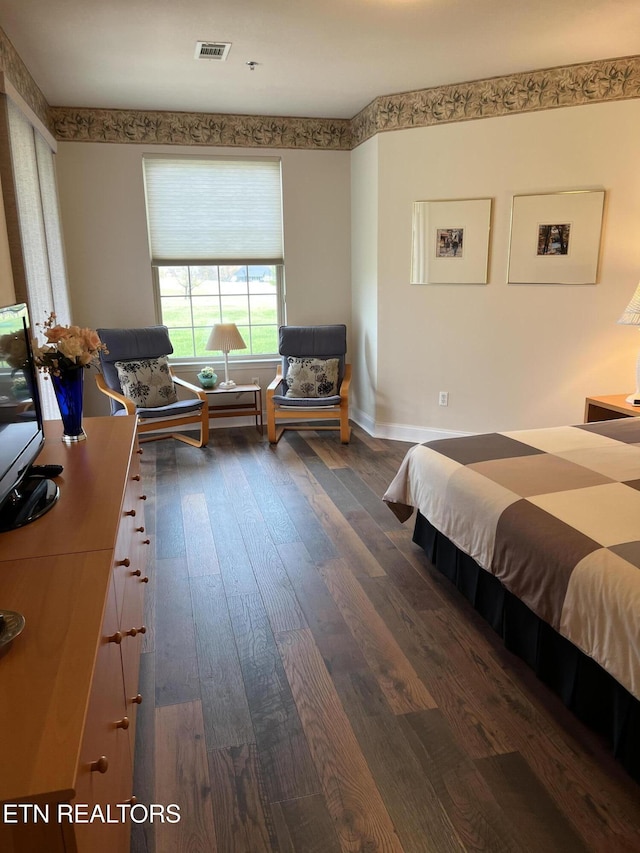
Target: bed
pixel 540 530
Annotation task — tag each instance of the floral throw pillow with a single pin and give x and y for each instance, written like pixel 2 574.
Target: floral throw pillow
pixel 147 381
pixel 312 377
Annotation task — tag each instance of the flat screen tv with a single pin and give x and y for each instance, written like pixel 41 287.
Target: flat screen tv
pixel 23 495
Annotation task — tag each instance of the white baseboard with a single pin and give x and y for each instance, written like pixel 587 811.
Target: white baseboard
pixel 401 432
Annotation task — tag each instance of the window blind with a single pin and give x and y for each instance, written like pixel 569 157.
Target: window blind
pixel 214 210
pixel 45 280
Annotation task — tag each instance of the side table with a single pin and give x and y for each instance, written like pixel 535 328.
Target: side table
pixel 222 406
pixel 608 408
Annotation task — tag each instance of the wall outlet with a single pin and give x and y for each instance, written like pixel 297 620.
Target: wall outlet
pixel 443 398
pixel 255 380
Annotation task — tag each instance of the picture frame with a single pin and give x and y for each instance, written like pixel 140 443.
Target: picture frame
pixel 555 237
pixel 450 241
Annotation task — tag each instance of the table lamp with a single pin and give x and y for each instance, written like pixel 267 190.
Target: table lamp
pixel 631 317
pixel 225 337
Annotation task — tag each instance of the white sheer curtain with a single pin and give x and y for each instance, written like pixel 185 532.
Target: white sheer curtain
pixel 36 198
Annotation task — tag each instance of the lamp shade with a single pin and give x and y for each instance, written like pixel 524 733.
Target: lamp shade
pixel 631 315
pixel 225 337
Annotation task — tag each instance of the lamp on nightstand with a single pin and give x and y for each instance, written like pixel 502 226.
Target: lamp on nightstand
pixel 631 317
pixel 225 337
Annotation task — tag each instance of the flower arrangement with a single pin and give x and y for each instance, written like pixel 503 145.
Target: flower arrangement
pixel 207 373
pixel 66 348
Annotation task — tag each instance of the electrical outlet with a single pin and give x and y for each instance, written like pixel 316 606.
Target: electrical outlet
pixel 255 380
pixel 443 398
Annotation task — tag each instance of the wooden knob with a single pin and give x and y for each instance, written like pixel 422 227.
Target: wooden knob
pixel 139 451
pixel 130 512
pixel 100 766
pixel 126 562
pixel 139 529
pixel 132 801
pixel 132 632
pixel 146 541
pixel 136 477
pixel 137 700
pixel 144 580
pixel 115 638
pixel 123 723
pixel 143 497
pixel 136 573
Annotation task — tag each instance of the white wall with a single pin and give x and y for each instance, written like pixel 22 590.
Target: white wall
pixel 7 292
pixel 364 265
pixel 104 221
pixel 510 356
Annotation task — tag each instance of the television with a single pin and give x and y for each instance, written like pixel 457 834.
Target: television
pixel 24 496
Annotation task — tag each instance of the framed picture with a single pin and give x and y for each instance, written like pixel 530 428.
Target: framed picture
pixel 555 237
pixel 450 241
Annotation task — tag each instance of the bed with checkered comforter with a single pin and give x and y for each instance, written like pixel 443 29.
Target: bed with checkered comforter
pixel 554 514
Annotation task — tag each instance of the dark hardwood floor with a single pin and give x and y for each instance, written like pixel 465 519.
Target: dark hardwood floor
pixel 312 684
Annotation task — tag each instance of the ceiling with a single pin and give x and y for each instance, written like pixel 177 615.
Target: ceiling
pixel 316 58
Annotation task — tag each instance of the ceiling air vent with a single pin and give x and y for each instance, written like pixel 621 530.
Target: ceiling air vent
pixel 218 50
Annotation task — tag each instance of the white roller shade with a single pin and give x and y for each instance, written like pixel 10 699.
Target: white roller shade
pixel 216 210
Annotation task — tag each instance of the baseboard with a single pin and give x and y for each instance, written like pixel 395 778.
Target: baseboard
pixel 401 432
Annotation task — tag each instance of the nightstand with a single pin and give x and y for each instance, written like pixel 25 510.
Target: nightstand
pixel 608 408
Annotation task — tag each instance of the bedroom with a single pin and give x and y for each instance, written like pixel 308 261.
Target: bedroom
pixel 511 357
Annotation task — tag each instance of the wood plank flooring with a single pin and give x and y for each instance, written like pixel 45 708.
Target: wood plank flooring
pixel 312 685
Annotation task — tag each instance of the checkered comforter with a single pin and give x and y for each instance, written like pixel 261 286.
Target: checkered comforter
pixel 555 515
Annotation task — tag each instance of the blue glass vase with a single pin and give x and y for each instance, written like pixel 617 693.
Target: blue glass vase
pixel 68 388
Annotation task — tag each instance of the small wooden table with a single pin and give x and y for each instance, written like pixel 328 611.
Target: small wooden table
pixel 608 408
pixel 219 407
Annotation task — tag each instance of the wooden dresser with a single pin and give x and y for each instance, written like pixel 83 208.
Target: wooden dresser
pixel 69 682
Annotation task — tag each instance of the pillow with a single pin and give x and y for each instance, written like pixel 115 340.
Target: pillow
pixel 147 382
pixel 312 377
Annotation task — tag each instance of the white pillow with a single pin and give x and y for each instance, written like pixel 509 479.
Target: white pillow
pixel 147 382
pixel 312 377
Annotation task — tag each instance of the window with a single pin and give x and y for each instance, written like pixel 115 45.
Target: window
pixel 193 298
pixel 215 234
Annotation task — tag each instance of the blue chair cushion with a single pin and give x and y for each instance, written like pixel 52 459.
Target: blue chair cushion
pixel 314 342
pixel 182 407
pixel 306 402
pixel 129 344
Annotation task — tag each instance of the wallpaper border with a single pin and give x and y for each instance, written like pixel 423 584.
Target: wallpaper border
pixel 18 74
pixel 531 91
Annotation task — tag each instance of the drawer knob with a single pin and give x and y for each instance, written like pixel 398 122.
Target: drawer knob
pixel 100 766
pixel 143 497
pixel 136 477
pixel 115 638
pixel 146 541
pixel 137 573
pixel 123 723
pixel 132 801
pixel 130 512
pixel 137 700
pixel 139 451
pixel 133 631
pixel 126 562
pixel 139 529
pixel 144 580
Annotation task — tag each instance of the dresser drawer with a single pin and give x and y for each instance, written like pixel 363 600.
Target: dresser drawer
pixel 105 767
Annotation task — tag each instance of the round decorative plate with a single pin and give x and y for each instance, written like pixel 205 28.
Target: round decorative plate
pixel 11 624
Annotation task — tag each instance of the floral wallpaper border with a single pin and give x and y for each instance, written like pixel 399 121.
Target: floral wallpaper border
pixel 177 128
pixel 565 86
pixel 18 73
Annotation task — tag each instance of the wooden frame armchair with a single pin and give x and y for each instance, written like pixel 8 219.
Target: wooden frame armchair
pixel 283 412
pixel 150 343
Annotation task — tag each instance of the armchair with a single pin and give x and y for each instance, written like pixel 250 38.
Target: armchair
pixel 148 347
pixel 304 351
